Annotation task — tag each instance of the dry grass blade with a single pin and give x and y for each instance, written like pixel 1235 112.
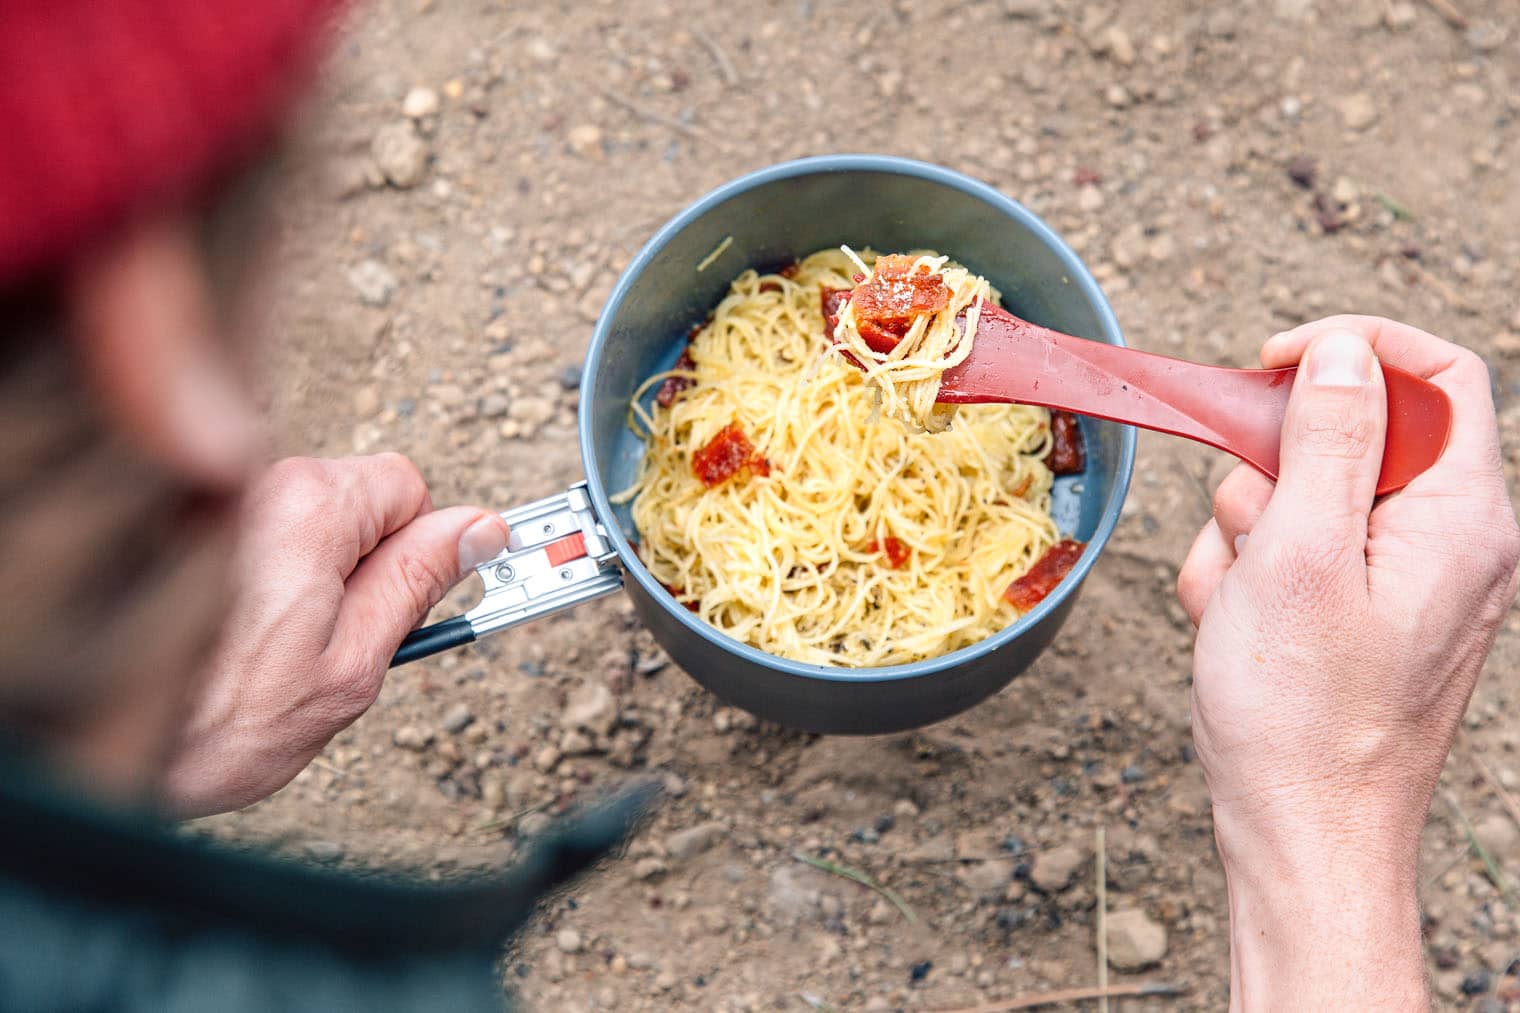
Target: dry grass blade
pixel 725 65
pixel 1100 847
pixel 1490 867
pixel 1450 13
pixel 653 117
pixel 864 879
pixel 1032 1001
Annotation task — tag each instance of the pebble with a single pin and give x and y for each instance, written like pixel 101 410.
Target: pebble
pixel 640 961
pixel 547 758
pixel 986 880
pixel 665 981
pixel 570 378
pixel 688 843
pixel 1400 15
pixel 586 141
pixel 493 406
pixel 324 851
pixel 1135 940
pixel 366 402
pixel 1117 43
pixel 592 707
pixel 1090 199
pixel 412 737
pixel 1055 869
pixel 374 282
pixel 1476 983
pixel 419 103
pixel 568 941
pixel 649 868
pixel 401 153
pixel 576 743
pixel 1358 111
pixel 457 718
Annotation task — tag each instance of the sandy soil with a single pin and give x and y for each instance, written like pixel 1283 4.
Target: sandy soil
pixel 549 142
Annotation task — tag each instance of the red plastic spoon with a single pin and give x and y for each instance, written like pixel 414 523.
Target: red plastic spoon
pixel 1239 411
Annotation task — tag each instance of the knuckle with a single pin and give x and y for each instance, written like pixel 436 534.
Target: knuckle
pixel 1308 569
pixel 421 583
pixel 296 490
pixel 348 690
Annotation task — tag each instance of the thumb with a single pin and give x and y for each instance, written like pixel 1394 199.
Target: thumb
pixel 396 585
pixel 1332 440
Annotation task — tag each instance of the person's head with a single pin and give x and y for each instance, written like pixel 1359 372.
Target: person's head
pixel 141 136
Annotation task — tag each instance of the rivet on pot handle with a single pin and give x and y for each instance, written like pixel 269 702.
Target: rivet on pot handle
pixel 559 556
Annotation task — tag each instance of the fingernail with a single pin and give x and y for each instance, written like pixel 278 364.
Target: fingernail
pixel 482 541
pixel 1340 359
pixel 1240 544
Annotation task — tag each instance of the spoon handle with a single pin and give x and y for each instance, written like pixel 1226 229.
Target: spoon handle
pixel 1239 411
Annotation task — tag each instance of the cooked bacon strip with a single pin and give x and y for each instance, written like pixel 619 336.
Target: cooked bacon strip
pixel 674 386
pixel 896 552
pixel 1042 578
pixel 727 454
pixel 895 295
pixel 1068 454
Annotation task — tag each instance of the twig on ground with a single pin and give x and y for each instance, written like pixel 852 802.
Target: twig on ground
pixel 642 113
pixel 856 876
pixel 1505 798
pixel 1490 867
pixel 1146 988
pixel 1450 13
pixel 725 65
pixel 1100 848
pixel 1456 300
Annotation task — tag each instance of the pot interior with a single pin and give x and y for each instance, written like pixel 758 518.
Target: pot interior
pixel 781 214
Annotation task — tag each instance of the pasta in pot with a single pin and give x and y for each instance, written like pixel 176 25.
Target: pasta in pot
pixel 773 503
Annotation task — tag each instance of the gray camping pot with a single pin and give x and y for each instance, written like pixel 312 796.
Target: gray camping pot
pixel 576 546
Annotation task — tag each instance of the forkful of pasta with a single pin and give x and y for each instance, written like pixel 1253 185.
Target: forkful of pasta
pixel 930 336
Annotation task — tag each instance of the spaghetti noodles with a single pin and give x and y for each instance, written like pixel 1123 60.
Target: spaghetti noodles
pixel 770 505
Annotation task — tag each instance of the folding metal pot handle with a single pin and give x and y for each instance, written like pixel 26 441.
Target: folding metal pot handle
pixel 558 556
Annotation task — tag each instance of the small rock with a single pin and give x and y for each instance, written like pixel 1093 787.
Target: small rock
pixel 1400 15
pixel 1476 983
pixel 986 880
pixel 547 758
pixel 568 941
pixel 1090 199
pixel 689 843
pixel 920 970
pixel 1117 96
pixel 570 378
pixel 1498 835
pixel 1358 111
pixel 366 402
pixel 324 851
pixel 586 141
pixel 412 737
pixel 401 154
pixel 1302 171
pixel 592 707
pixel 640 961
pixel 1161 250
pixel 1116 42
pixel 1055 869
pixel 533 824
pixel 420 102
pixel 493 406
pixel 1135 942
pixel 576 743
pixel 665 981
pixel 457 719
pixel 881 913
pixel 374 282
pixel 649 868
pixel 904 808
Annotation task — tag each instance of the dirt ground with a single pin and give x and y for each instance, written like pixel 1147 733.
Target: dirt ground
pixel 483 171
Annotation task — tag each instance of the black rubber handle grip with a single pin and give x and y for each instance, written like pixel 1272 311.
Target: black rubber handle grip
pixel 432 639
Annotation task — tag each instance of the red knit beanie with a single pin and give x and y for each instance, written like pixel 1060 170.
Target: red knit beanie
pixel 109 107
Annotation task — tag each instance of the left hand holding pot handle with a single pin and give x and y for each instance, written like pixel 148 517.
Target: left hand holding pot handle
pixel 339 560
pixel 1338 643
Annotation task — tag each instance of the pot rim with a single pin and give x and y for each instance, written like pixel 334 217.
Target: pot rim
pixel 1081 278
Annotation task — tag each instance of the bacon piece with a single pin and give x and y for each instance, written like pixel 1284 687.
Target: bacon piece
pixel 676 593
pixel 675 385
pixel 833 301
pixel 1031 589
pixel 895 295
pixel 896 552
pixel 790 270
pixel 725 455
pixel 1068 454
